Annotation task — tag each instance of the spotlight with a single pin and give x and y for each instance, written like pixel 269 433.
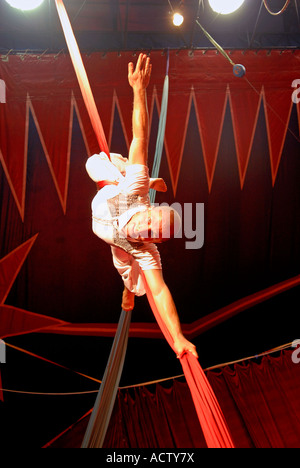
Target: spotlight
pixel 178 19
pixel 25 4
pixel 225 7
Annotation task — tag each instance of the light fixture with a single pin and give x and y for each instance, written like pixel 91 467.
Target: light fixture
pixel 178 19
pixel 225 7
pixel 177 16
pixel 25 4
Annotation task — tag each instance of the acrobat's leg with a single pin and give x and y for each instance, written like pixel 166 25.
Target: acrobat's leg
pixel 129 270
pixel 167 310
pixel 127 300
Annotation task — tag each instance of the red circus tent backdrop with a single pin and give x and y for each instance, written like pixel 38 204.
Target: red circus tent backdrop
pixel 47 87
pixel 232 144
pixel 45 91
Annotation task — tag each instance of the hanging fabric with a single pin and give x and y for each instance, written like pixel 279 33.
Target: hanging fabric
pixel 100 417
pixel 161 131
pixel 210 416
pixel 82 76
pixel 99 420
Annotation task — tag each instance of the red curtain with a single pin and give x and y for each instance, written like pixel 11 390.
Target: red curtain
pixel 229 135
pixel 49 87
pixel 260 401
pixel 223 136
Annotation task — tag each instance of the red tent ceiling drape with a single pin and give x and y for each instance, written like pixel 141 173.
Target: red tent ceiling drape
pixel 44 89
pixel 259 400
pixel 47 86
pixel 251 241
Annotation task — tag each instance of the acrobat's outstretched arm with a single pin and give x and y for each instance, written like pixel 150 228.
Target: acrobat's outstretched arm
pixel 139 78
pixel 167 310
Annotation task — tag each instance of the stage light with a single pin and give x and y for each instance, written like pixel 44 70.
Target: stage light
pixel 25 4
pixel 225 7
pixel 177 19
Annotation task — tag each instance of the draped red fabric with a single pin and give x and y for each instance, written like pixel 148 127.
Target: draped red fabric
pixel 266 396
pixel 211 418
pixel 82 76
pixel 191 86
pixel 259 400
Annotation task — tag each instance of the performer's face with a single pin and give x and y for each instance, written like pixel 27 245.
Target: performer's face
pixel 149 226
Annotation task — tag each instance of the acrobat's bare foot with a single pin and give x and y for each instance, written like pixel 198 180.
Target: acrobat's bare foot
pixel 127 300
pixel 182 346
pixel 158 184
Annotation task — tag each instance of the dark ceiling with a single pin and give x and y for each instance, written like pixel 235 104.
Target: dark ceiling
pixel 133 25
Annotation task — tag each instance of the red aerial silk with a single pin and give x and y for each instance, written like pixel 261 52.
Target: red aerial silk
pixel 209 413
pixel 210 416
pixel 82 77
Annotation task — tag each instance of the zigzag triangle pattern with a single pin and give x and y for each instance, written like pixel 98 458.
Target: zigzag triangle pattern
pixel 244 124
pixel 55 135
pixel 15 321
pixel 10 266
pixel 280 105
pixel 48 89
pixel 210 123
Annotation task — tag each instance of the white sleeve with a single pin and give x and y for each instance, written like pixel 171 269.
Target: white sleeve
pixel 99 168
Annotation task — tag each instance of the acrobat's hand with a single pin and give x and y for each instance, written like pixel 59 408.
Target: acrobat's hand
pixel 158 184
pixel 182 346
pixel 139 77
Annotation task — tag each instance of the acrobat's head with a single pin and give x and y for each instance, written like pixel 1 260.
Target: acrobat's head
pixel 156 224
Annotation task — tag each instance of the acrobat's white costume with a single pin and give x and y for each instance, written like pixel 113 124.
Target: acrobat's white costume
pixel 113 207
